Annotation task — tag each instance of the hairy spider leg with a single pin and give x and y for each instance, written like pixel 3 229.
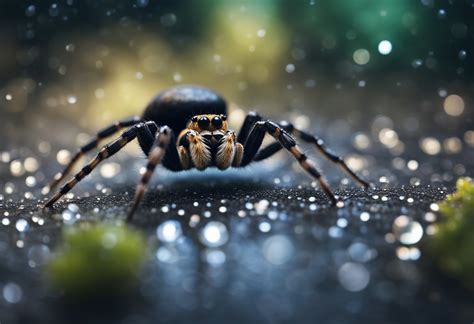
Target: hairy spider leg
pixel 254 142
pixel 312 139
pixel 92 144
pixel 108 150
pixel 157 152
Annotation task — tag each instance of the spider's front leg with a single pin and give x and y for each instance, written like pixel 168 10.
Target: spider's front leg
pixel 155 157
pixel 107 151
pixel 255 139
pixel 92 144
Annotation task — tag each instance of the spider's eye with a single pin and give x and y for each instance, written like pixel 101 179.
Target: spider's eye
pixel 224 117
pixel 217 122
pixel 203 122
pixel 194 119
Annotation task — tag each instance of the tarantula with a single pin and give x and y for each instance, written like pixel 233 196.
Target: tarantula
pixel 186 127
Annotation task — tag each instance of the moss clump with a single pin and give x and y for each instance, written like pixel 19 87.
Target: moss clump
pixel 453 244
pixel 97 260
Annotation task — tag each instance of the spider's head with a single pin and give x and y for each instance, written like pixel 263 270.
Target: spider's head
pixel 209 122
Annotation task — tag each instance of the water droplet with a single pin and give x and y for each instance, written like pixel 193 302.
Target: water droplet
pixel 430 145
pixel 342 222
pixel 63 157
pixel 168 20
pixel 412 165
pixel 142 3
pixel 462 54
pixel 167 254
pixel 38 255
pixel 109 170
pixel 30 181
pixel 385 47
pixel 290 68
pixel 22 225
pixel 169 231
pixel 73 208
pixel 16 168
pixel 215 257
pixel 454 105
pixel 261 206
pixel 70 47
pixel 31 164
pixel 406 230
pixel 12 293
pixel 360 252
pixel 71 100
pixel 364 216
pixel 261 33
pixel 278 249
pixel 30 11
pixel 408 253
pixel 54 10
pixel 361 56
pixel 417 63
pixel 214 234
pixel 264 227
pixel 353 276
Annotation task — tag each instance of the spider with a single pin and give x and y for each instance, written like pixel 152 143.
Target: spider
pixel 186 127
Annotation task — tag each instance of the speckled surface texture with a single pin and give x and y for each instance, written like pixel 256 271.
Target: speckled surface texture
pixel 282 254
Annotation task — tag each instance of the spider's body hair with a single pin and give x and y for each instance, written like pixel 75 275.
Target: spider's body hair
pixel 200 150
pixel 207 144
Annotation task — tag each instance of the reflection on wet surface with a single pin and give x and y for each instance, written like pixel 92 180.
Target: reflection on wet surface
pixel 263 239
pixel 261 244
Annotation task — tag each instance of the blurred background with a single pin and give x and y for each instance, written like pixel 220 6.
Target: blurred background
pixel 95 61
pixel 389 84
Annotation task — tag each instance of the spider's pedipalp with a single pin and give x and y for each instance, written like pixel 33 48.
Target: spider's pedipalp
pixel 157 152
pixel 108 150
pixel 226 151
pixel 92 144
pixel 239 154
pixel 199 150
pixel 185 158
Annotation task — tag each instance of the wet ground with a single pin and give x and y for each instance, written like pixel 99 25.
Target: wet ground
pixel 254 245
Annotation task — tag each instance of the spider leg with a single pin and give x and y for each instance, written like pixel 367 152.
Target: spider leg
pixel 155 157
pixel 267 151
pixel 104 133
pixel 249 122
pixel 255 139
pixel 108 150
pixel 309 138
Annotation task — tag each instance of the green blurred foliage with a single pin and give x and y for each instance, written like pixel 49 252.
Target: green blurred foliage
pixel 97 260
pixel 452 245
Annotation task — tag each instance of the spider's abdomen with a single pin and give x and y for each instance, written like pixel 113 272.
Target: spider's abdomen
pixel 175 106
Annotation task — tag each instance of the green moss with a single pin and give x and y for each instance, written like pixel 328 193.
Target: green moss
pixel 453 244
pixel 97 260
